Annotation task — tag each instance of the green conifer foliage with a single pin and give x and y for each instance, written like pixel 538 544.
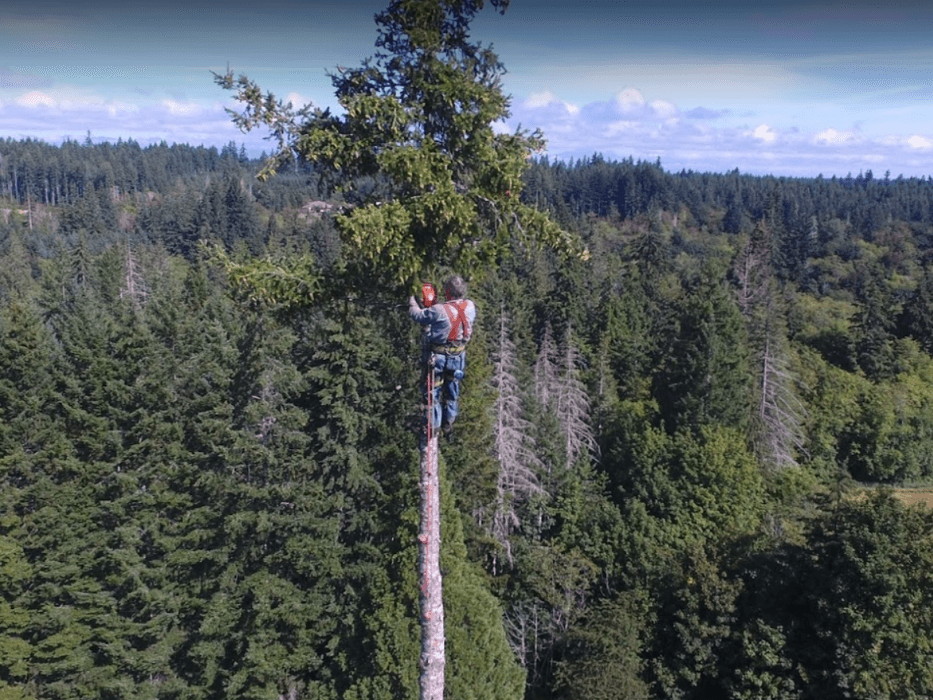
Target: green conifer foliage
pixel 918 312
pixel 705 376
pixel 874 324
pixel 15 266
pixel 626 343
pixel 872 587
pixel 354 364
pixel 603 657
pixel 418 115
pixel 15 650
pixel 481 665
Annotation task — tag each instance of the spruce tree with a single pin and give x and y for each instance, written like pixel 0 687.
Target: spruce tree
pixel 874 324
pixel 918 312
pixel 704 377
pixel 418 120
pixel 419 115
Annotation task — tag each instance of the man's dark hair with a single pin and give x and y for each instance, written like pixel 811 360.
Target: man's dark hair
pixel 455 288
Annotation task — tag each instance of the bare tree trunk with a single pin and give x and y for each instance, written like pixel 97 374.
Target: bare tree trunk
pixel 432 602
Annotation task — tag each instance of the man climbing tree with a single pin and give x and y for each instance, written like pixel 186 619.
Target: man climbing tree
pixel 417 118
pixel 449 329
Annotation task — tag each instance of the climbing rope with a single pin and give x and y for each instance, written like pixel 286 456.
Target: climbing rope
pixel 429 461
pixel 430 387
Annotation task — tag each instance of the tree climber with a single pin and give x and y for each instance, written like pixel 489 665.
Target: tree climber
pixel 449 329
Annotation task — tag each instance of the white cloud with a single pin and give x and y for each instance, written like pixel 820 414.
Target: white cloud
pixel 765 133
pixel 181 108
pixel 629 125
pixel 298 100
pixel 630 99
pixel 542 100
pixel 35 99
pixel 919 142
pixel 40 116
pixel 539 99
pixel 831 136
pixel 620 127
pixel 664 109
pixel 703 136
pixel 116 109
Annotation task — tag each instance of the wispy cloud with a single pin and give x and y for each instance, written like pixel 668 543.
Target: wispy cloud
pixel 704 113
pixel 706 138
pixel 35 99
pixel 13 79
pixel 40 115
pixel 833 137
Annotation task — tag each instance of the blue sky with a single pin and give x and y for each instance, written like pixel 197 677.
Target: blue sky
pixel 789 88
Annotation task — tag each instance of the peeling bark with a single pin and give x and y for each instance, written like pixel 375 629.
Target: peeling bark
pixel 433 657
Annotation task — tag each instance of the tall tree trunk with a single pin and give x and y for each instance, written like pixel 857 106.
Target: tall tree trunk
pixel 432 602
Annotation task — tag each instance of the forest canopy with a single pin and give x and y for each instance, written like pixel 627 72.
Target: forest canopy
pixel 188 475
pixel 681 457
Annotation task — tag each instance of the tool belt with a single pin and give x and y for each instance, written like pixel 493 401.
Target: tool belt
pixel 448 349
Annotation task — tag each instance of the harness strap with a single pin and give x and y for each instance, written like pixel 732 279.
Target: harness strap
pixel 458 321
pixel 448 349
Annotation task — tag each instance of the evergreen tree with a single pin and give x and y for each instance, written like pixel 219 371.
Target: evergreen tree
pixel 16 280
pixel 628 335
pixel 481 664
pixel 603 657
pixel 704 378
pixel 918 312
pixel 874 555
pixel 874 324
pixel 420 115
pixel 15 650
pixel 777 428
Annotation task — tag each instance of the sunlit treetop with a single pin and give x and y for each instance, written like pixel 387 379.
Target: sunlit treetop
pixel 422 116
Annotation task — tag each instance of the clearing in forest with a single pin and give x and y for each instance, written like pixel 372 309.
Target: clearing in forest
pixel 909 496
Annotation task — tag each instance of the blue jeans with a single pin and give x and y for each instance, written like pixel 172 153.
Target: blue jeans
pixel 448 372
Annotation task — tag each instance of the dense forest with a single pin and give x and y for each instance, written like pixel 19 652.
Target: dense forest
pixel 688 399
pixel 655 489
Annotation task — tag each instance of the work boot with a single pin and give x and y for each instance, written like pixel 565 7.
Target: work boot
pixel 448 430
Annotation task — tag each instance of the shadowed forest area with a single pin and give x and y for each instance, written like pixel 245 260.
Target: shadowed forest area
pixel 655 489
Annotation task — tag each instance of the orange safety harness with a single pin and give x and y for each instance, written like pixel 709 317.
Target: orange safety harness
pixel 457 321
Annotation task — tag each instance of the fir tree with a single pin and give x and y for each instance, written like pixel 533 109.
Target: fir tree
pixel 918 311
pixel 420 115
pixel 874 324
pixel 704 378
